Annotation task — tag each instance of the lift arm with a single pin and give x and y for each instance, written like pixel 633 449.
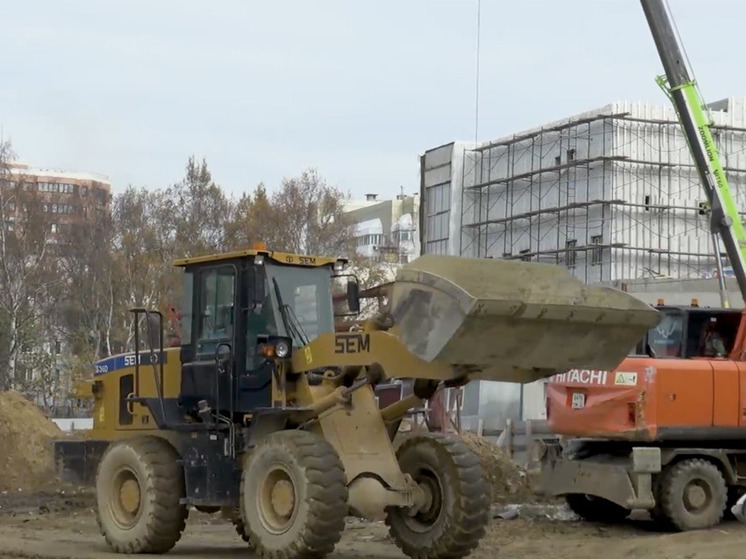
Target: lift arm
pixel 682 90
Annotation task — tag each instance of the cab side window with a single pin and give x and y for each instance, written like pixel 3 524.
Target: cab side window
pixel 711 334
pixel 217 315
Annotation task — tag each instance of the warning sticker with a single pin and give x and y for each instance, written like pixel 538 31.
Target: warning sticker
pixel 622 378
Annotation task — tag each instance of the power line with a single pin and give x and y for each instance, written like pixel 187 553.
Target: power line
pixel 476 100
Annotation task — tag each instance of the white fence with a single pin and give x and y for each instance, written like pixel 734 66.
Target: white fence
pixel 74 423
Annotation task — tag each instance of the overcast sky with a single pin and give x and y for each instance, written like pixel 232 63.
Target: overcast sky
pixel 358 89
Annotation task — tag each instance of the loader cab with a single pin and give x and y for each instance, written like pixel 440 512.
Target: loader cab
pixel 231 304
pixel 691 332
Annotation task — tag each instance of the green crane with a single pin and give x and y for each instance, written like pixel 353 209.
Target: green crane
pixel 725 221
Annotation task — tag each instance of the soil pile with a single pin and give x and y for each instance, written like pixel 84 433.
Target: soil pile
pixel 508 482
pixel 26 453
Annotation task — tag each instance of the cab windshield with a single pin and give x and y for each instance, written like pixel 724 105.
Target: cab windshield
pixel 666 339
pixel 302 302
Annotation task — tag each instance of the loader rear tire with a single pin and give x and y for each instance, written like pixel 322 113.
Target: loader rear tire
pixel 293 496
pixel 456 519
pixel 139 485
pixel 693 495
pixel 596 509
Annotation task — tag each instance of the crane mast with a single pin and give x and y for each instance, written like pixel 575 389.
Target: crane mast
pixel 681 89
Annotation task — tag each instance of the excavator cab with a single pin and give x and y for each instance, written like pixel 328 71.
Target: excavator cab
pixel 691 332
pixel 656 392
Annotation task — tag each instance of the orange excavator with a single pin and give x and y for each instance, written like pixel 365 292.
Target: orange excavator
pixel 666 430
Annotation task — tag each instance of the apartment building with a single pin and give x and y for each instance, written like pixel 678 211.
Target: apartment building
pixel 67 197
pixel 386 230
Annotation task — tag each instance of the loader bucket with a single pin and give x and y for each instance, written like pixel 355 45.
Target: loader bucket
pixel 513 321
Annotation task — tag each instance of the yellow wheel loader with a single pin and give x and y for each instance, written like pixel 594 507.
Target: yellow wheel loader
pixel 266 414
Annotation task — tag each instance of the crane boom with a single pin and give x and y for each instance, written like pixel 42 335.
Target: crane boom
pixel 682 90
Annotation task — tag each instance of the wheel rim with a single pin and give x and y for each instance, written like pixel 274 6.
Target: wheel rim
pixel 278 497
pixel 697 496
pixel 423 519
pixel 125 501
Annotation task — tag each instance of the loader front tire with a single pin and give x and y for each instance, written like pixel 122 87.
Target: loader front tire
pixel 139 485
pixel 241 530
pixel 293 496
pixel 693 495
pixel 456 518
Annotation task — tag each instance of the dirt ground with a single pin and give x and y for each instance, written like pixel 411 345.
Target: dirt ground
pixel 54 525
pixel 40 519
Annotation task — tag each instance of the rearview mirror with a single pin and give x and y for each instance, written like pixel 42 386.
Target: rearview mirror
pixel 256 284
pixel 154 330
pixel 353 296
pixel 223 355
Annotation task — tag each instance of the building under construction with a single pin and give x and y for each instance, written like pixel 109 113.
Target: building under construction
pixel 612 193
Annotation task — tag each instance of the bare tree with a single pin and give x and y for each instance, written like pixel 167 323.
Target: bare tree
pixel 27 271
pixel 311 214
pixel 197 211
pixel 254 220
pixel 143 246
pixel 76 285
pixel 87 306
pixel 305 216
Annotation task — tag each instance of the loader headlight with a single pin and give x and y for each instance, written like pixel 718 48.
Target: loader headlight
pixel 282 349
pixel 275 346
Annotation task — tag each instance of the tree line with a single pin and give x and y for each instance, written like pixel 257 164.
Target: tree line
pixel 66 291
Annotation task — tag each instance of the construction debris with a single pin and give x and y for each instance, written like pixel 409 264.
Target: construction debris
pixel 26 454
pixel 508 482
pixel 560 513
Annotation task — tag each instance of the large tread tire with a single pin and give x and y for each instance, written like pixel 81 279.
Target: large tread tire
pixel 319 506
pixel 241 530
pixel 683 513
pixel 234 516
pixel 453 527
pixel 159 518
pixel 734 493
pixel 596 509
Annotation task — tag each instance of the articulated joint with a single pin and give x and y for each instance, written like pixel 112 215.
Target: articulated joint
pixel 369 498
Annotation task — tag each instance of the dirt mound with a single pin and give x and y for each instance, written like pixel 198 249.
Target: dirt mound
pixel 508 482
pixel 26 455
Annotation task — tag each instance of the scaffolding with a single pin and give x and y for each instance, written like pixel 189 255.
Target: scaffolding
pixel 611 195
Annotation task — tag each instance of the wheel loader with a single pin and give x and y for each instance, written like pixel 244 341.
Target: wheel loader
pixel 265 414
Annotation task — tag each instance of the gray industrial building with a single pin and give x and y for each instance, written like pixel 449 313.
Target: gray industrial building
pixel 612 194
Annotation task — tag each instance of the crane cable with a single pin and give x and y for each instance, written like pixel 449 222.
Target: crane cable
pixel 476 100
pixel 687 62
